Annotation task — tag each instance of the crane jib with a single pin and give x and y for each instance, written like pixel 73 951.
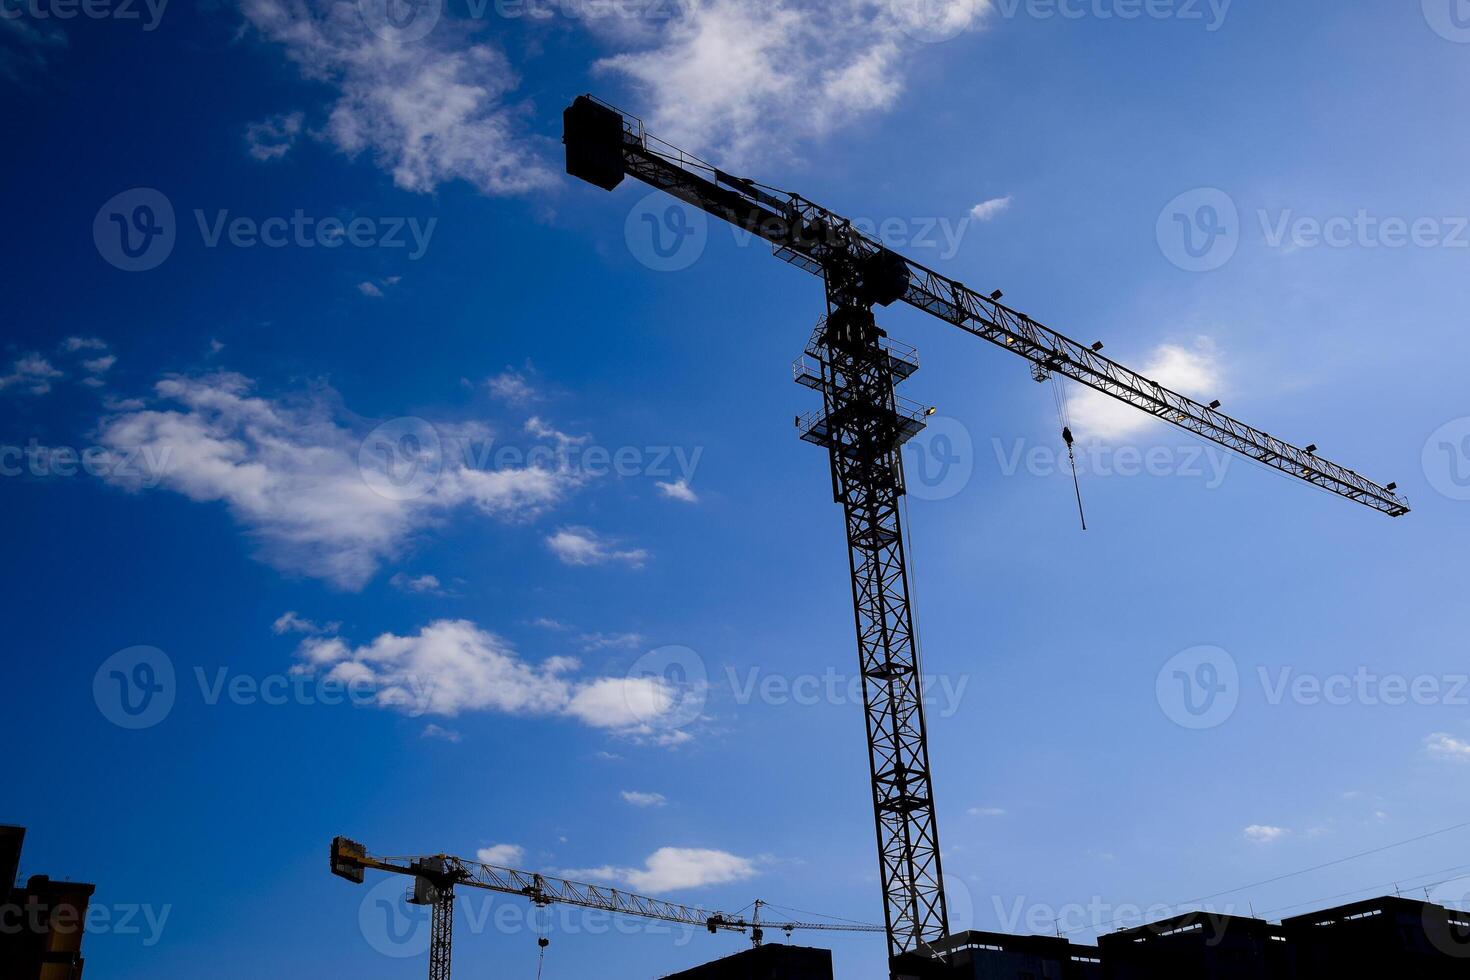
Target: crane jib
pixel 604 145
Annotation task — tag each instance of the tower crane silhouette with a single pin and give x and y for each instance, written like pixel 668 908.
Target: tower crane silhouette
pixel 863 423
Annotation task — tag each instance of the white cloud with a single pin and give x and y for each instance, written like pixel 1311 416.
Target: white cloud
pixel 74 344
pixel 986 210
pixel 428 112
pixel 584 546
pixel 270 139
pixel 636 798
pixel 1442 745
pixel 734 79
pixel 511 387
pixel 451 667
pixel 289 622
pixel 627 704
pixel 297 479
pixel 501 854
pixel 674 868
pixel 678 490
pixel 32 373
pixel 547 623
pixel 416 583
pixel 370 289
pixel 100 365
pixel 447 734
pixel 1264 833
pixel 1190 371
pixel 985 811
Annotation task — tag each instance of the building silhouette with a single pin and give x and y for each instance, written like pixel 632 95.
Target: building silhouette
pixel 41 922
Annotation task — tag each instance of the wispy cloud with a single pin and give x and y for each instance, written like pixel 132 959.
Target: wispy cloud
pixel 986 210
pixel 985 811
pixel 428 112
pixel 1258 833
pixel 290 622
pixel 678 490
pixel 420 584
pixel 636 798
pixel 501 854
pixel 1443 745
pixel 512 387
pixel 584 546
pixel 671 868
pixel 734 80
pixel 31 374
pixel 307 487
pixel 270 139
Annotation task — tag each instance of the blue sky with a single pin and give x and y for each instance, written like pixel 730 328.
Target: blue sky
pixel 373 405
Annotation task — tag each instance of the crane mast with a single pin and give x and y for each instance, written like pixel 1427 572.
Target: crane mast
pixel 863 424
